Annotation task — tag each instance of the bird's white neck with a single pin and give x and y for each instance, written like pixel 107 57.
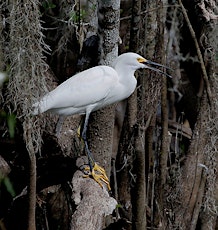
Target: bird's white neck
pixel 126 78
pixel 126 74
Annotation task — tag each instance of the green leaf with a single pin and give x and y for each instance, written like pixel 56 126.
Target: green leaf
pixel 9 186
pixel 119 206
pixel 11 120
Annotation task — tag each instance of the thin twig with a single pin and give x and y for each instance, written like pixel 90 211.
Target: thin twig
pixel 204 72
pixel 115 187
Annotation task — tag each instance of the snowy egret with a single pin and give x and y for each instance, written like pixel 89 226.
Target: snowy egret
pixel 93 89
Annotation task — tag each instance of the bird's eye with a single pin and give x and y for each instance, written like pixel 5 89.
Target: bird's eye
pixel 141 60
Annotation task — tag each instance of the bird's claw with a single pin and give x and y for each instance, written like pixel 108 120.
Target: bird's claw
pixel 98 174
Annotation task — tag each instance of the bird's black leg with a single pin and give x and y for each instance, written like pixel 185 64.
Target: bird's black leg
pixel 84 137
pixel 97 172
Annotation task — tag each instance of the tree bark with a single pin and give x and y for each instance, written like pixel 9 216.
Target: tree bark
pixel 102 122
pixel 198 175
pixel 139 203
pixel 192 174
pixel 92 201
pixel 164 149
pixel 136 125
pixel 154 50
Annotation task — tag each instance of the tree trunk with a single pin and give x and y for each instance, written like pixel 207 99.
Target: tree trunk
pixel 102 122
pixel 93 204
pixel 136 125
pixel 198 174
pixel 164 149
pixel 139 196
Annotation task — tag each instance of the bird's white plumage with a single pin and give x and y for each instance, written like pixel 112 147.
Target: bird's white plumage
pixel 86 88
pixel 93 88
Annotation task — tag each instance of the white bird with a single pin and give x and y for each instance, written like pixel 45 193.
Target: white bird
pixel 93 89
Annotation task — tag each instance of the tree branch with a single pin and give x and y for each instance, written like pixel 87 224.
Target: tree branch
pixel 203 68
pixel 93 203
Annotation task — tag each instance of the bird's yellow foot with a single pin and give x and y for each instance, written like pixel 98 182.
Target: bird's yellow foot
pixel 99 175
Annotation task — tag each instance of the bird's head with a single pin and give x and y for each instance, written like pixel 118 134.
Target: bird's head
pixel 136 61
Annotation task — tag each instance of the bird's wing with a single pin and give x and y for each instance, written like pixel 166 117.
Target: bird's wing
pixel 85 88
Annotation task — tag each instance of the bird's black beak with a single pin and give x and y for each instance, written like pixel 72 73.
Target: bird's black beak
pixel 150 64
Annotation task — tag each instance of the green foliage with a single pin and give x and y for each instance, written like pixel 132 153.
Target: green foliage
pixel 7 183
pixel 77 16
pixel 119 206
pixel 11 122
pixel 48 5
